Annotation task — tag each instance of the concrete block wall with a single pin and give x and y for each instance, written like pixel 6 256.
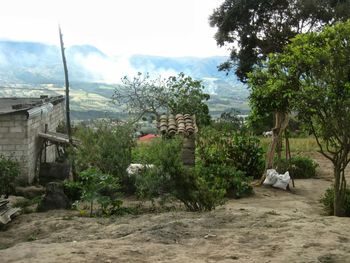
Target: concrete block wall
pixel 36 125
pixel 19 138
pixel 14 139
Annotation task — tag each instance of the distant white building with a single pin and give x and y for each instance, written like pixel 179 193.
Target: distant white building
pixel 21 121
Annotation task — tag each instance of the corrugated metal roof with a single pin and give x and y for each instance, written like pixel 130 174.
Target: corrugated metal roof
pixel 13 105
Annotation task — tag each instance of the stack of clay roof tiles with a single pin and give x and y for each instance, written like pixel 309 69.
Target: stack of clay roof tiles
pixel 6 212
pixel 180 124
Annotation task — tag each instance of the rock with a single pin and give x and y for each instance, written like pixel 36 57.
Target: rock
pixel 54 198
pixel 53 172
pixel 30 191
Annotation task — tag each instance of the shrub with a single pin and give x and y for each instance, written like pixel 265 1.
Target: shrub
pixel 150 184
pixel 235 183
pixel 73 190
pixel 239 151
pixel 100 187
pixel 106 148
pixel 171 178
pixel 247 155
pixel 298 166
pixel 9 170
pixel 328 202
pixel 165 156
pixel 229 161
pixel 196 193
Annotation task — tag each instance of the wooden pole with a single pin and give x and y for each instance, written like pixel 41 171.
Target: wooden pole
pixel 69 130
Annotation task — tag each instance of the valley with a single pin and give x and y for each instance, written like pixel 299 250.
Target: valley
pixel 29 69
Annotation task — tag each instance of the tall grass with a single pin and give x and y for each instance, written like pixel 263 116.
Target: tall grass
pixel 308 144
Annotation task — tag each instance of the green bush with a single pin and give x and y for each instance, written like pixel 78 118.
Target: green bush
pixel 298 166
pixel 235 183
pixel 238 151
pixel 230 160
pixel 106 148
pixel 73 190
pixel 9 170
pixel 150 184
pixel 100 187
pixel 328 201
pixel 171 178
pixel 247 156
pixel 196 193
pixel 165 156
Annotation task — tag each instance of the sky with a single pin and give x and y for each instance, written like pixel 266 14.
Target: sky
pixel 117 27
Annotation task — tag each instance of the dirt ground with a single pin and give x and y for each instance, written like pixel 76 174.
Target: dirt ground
pixel 271 226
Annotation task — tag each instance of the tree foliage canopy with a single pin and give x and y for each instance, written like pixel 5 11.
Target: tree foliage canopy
pixel 254 28
pixel 177 94
pixel 312 78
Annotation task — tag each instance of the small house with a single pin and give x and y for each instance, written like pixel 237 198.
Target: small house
pixel 21 122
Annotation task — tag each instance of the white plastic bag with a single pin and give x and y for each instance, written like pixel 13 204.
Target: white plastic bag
pixel 282 181
pixel 277 180
pixel 271 177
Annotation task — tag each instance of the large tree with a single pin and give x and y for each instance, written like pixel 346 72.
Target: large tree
pixel 177 94
pixel 266 83
pixel 312 78
pixel 252 29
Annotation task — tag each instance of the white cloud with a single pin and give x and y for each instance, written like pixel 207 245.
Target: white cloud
pixel 105 69
pixel 124 27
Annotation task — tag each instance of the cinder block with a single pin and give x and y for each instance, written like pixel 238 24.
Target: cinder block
pixel 4 129
pixel 16 141
pixel 7 124
pixel 18 153
pixel 20 117
pixel 7 153
pixel 7 117
pixel 19 123
pixel 9 147
pixel 17 135
pixel 21 147
pixel 16 129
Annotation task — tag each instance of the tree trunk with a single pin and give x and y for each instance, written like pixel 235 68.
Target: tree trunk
pixel 279 147
pixel 339 190
pixel 281 123
pixel 288 155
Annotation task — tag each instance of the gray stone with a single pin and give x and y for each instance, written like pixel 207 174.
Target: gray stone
pixel 53 172
pixel 54 198
pixel 30 191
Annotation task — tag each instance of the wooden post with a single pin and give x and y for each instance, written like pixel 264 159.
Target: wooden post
pixel 45 142
pixel 69 130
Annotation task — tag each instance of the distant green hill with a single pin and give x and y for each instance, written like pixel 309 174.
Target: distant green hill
pixel 30 68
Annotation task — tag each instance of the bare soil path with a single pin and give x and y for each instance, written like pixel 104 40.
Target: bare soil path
pixel 271 226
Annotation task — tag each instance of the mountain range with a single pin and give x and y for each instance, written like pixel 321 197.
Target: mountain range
pixel 28 66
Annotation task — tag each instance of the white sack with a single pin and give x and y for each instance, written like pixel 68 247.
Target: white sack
pixel 135 168
pixel 282 181
pixel 277 180
pixel 271 177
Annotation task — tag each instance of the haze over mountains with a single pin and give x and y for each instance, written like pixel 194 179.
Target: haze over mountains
pixel 28 68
